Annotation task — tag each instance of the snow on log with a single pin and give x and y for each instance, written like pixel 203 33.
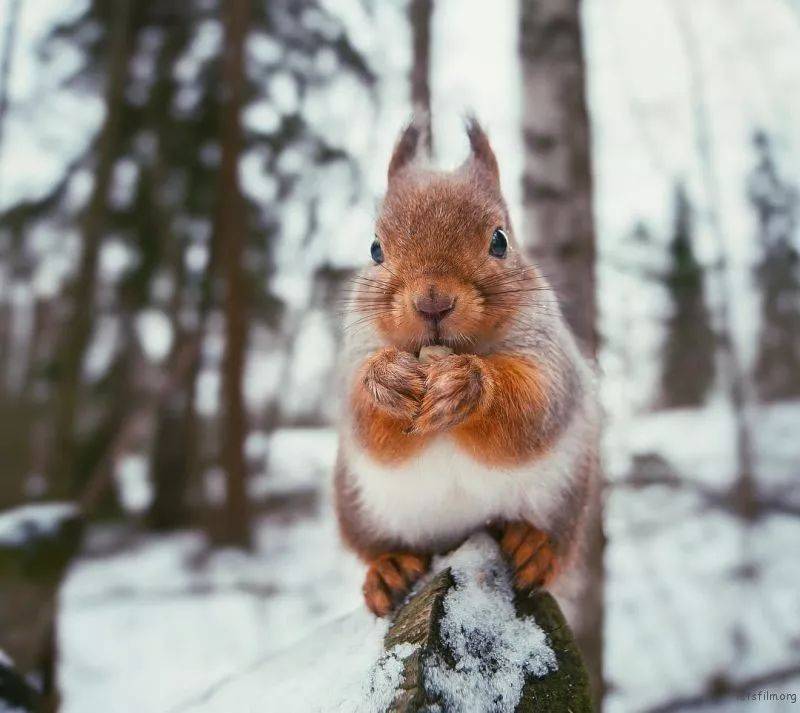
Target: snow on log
pixel 463 642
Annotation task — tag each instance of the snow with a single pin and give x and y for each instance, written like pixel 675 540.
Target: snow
pixel 20 524
pixel 38 144
pixel 169 599
pixel 342 667
pixel 5 660
pixel 494 650
pixel 334 671
pixel 295 460
pixel 154 330
pixel 133 483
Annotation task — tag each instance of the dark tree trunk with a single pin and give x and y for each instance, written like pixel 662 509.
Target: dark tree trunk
pixel 420 14
pixel 231 227
pixel 557 194
pixel 172 458
pixel 79 326
pixel 170 464
pixel 558 180
pixel 689 346
pixel 776 201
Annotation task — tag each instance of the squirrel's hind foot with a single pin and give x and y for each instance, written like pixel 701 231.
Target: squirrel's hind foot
pixel 532 555
pixel 390 577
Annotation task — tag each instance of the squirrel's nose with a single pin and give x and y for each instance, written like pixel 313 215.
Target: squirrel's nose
pixel 434 306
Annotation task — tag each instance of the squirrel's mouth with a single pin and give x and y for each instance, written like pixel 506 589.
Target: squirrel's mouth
pixel 436 338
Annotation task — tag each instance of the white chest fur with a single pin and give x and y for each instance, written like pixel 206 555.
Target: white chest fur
pixel 436 498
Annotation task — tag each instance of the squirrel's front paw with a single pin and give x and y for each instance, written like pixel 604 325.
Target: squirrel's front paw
pixel 456 387
pixel 390 577
pixel 532 554
pixel 395 382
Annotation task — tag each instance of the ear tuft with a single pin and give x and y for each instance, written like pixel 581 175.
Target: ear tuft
pixel 482 153
pixel 408 145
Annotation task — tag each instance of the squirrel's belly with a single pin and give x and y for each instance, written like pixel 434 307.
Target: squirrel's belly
pixel 439 496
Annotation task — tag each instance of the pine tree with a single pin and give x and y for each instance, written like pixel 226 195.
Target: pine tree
pixel 688 366
pixel 777 368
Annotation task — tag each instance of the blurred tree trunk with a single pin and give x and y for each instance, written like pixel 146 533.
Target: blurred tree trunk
pixel 9 39
pixel 557 195
pixel 420 15
pixel 172 462
pixel 79 326
pixel 172 455
pixel 776 203
pixel 230 228
pixel 687 370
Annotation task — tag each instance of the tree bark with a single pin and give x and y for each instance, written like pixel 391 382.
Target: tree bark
pixel 78 331
pixel 230 228
pixel 557 183
pixel 557 194
pixel 173 451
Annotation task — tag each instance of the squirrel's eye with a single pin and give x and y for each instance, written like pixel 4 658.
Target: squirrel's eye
pixel 376 251
pixel 499 244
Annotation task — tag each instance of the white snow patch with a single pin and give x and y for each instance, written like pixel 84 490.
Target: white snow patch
pixel 20 524
pixel 334 670
pixel 154 331
pixel 295 459
pixel 494 649
pixel 133 483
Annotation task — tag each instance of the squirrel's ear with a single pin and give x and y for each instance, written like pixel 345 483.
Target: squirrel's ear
pixel 406 148
pixel 482 153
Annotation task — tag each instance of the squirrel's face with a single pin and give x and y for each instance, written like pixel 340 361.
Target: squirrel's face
pixel 445 266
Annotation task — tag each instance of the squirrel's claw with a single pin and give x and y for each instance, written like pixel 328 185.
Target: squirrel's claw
pixel 390 577
pixel 532 554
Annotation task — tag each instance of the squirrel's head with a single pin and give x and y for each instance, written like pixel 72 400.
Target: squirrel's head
pixel 446 268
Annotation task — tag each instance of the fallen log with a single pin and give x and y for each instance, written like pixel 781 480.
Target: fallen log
pixel 463 642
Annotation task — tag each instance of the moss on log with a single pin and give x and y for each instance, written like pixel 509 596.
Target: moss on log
pixel 417 623
pixel 16 694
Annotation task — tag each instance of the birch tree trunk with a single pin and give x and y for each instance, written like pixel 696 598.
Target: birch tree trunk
pixel 231 227
pixel 557 195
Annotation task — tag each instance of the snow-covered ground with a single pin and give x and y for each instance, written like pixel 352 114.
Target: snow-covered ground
pixel 698 599
pixel 342 667
pixel 149 626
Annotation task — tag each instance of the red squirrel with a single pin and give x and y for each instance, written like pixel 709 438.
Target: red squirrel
pixel 502 432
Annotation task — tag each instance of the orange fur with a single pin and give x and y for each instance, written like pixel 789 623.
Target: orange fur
pixel 386 397
pixel 390 577
pixel 456 387
pixel 506 431
pixel 489 404
pixel 532 554
pixel 452 218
